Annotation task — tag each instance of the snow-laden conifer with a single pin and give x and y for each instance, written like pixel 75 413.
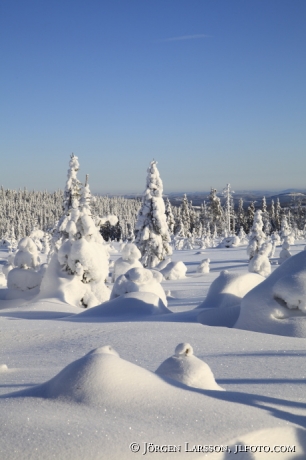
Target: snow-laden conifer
pixel 151 231
pixel 257 236
pixel 80 253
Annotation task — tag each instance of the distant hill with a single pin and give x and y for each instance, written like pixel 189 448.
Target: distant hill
pixel 285 197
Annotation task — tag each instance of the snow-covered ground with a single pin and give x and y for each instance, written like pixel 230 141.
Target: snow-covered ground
pixel 104 401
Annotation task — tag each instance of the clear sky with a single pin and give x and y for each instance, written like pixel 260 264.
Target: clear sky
pixel 214 90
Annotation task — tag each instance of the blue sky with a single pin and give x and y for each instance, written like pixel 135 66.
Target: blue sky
pixel 214 90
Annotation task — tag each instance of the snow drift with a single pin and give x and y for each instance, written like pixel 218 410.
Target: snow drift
pixel 277 305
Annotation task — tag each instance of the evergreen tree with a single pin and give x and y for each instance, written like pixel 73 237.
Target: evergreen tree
pixel 151 231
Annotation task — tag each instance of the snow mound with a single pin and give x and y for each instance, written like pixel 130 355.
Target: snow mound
pixel 277 306
pixel 229 288
pixel 186 368
pixel 139 280
pixel 174 271
pixel 131 304
pixel 100 377
pixel 3 368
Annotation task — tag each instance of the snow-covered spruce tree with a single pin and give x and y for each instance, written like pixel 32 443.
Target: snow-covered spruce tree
pixel 228 210
pixel 169 216
pixel 257 236
pixel 151 230
pixel 79 265
pixel 215 211
pixel 185 215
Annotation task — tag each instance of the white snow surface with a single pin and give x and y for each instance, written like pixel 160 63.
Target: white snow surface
pixel 106 402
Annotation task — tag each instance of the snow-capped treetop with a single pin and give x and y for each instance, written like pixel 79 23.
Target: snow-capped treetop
pixel 73 185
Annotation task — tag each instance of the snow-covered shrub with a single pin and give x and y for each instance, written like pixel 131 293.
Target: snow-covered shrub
pixel 151 230
pixel 139 280
pixel 229 242
pixel 27 254
pixel 174 271
pixel 243 236
pixel 204 266
pixel 186 368
pixel 130 258
pixel 284 253
pixel 260 262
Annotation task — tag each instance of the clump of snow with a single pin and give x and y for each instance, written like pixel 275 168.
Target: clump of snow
pixel 285 253
pixel 3 368
pixel 277 305
pixel 27 254
pixel 291 289
pixel 133 305
pixel 139 280
pixel 230 242
pixel 25 279
pixel 130 259
pixel 204 266
pixel 186 368
pixel 229 288
pixel 260 262
pixel 174 271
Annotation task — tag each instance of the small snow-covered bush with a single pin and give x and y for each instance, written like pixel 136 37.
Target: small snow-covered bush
pixel 130 259
pixel 186 368
pixel 27 254
pixel 230 242
pixel 139 280
pixel 174 271
pixel 204 266
pixel 260 262
pixel 285 253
